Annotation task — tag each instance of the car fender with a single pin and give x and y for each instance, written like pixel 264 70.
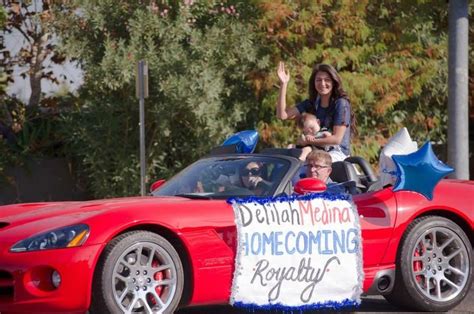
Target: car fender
pixel 450 201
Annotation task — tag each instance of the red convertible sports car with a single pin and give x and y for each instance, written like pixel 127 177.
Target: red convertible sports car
pixel 176 248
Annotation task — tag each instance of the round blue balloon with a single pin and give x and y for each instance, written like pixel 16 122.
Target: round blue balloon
pixel 420 171
pixel 245 141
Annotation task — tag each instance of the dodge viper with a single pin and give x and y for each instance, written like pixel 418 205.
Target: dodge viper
pixel 176 247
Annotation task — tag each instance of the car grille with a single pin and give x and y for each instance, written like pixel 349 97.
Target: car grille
pixel 6 286
pixel 3 224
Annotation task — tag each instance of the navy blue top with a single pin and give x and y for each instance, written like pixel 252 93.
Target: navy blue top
pixel 338 113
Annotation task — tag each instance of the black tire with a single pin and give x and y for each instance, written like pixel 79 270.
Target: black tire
pixel 432 275
pixel 138 270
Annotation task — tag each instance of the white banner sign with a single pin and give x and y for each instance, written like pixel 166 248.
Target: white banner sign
pixel 297 252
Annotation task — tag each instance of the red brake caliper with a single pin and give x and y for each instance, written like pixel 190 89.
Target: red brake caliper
pixel 418 265
pixel 158 276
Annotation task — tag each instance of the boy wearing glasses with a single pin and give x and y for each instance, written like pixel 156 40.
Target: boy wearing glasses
pixel 319 165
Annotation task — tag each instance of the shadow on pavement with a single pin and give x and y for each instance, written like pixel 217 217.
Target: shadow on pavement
pixel 372 304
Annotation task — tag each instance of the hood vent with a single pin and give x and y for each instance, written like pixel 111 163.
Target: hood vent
pixel 3 224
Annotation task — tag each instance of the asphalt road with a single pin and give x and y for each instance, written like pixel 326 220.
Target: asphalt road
pixel 369 304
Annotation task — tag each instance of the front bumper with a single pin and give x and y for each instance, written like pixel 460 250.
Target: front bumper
pixel 26 284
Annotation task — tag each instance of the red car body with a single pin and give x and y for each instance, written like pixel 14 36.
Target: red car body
pixel 204 233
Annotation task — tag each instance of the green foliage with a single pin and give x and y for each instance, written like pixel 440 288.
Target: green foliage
pixel 104 138
pixel 3 16
pixel 391 55
pixel 212 68
pixel 33 134
pixel 6 160
pixel 199 56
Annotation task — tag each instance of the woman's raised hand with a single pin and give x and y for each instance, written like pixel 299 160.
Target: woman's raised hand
pixel 283 75
pixel 281 110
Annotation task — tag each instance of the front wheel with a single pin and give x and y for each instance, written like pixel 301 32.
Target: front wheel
pixel 434 266
pixel 139 272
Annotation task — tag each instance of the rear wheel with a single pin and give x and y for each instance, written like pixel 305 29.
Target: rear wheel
pixel 139 272
pixel 434 266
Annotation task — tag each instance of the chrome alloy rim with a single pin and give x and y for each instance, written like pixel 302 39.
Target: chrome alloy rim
pixel 144 279
pixel 440 264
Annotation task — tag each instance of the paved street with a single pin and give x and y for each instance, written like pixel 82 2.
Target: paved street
pixel 369 304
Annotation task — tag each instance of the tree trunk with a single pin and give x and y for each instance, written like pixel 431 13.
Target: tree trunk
pixel 5 115
pixel 35 84
pixel 38 53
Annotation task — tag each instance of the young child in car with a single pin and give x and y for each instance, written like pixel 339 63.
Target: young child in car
pixel 309 125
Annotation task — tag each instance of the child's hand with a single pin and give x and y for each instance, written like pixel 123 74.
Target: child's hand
pixel 325 134
pixel 309 139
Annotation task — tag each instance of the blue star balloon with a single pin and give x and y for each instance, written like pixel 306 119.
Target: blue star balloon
pixel 245 141
pixel 420 171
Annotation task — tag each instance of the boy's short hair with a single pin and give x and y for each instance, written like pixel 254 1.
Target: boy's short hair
pixel 317 154
pixel 304 118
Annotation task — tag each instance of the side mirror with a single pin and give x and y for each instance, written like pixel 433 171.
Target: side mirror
pixel 309 185
pixel 157 184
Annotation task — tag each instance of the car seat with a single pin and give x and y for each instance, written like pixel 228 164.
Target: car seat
pixel 344 171
pixel 366 174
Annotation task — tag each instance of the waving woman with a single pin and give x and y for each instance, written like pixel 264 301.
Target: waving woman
pixel 328 101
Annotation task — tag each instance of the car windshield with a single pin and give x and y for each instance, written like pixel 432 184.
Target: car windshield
pixel 226 177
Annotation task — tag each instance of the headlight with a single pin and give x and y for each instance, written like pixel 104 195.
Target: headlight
pixel 70 236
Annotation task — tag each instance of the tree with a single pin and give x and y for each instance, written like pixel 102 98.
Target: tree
pixel 29 23
pixel 199 54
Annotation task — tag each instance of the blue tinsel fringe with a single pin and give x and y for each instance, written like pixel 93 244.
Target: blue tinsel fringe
pixel 289 198
pixel 329 305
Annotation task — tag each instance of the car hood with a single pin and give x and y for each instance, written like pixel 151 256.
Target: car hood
pixel 21 220
pixel 25 213
pixel 107 217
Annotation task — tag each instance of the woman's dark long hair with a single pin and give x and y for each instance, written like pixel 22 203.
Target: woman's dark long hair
pixel 337 89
